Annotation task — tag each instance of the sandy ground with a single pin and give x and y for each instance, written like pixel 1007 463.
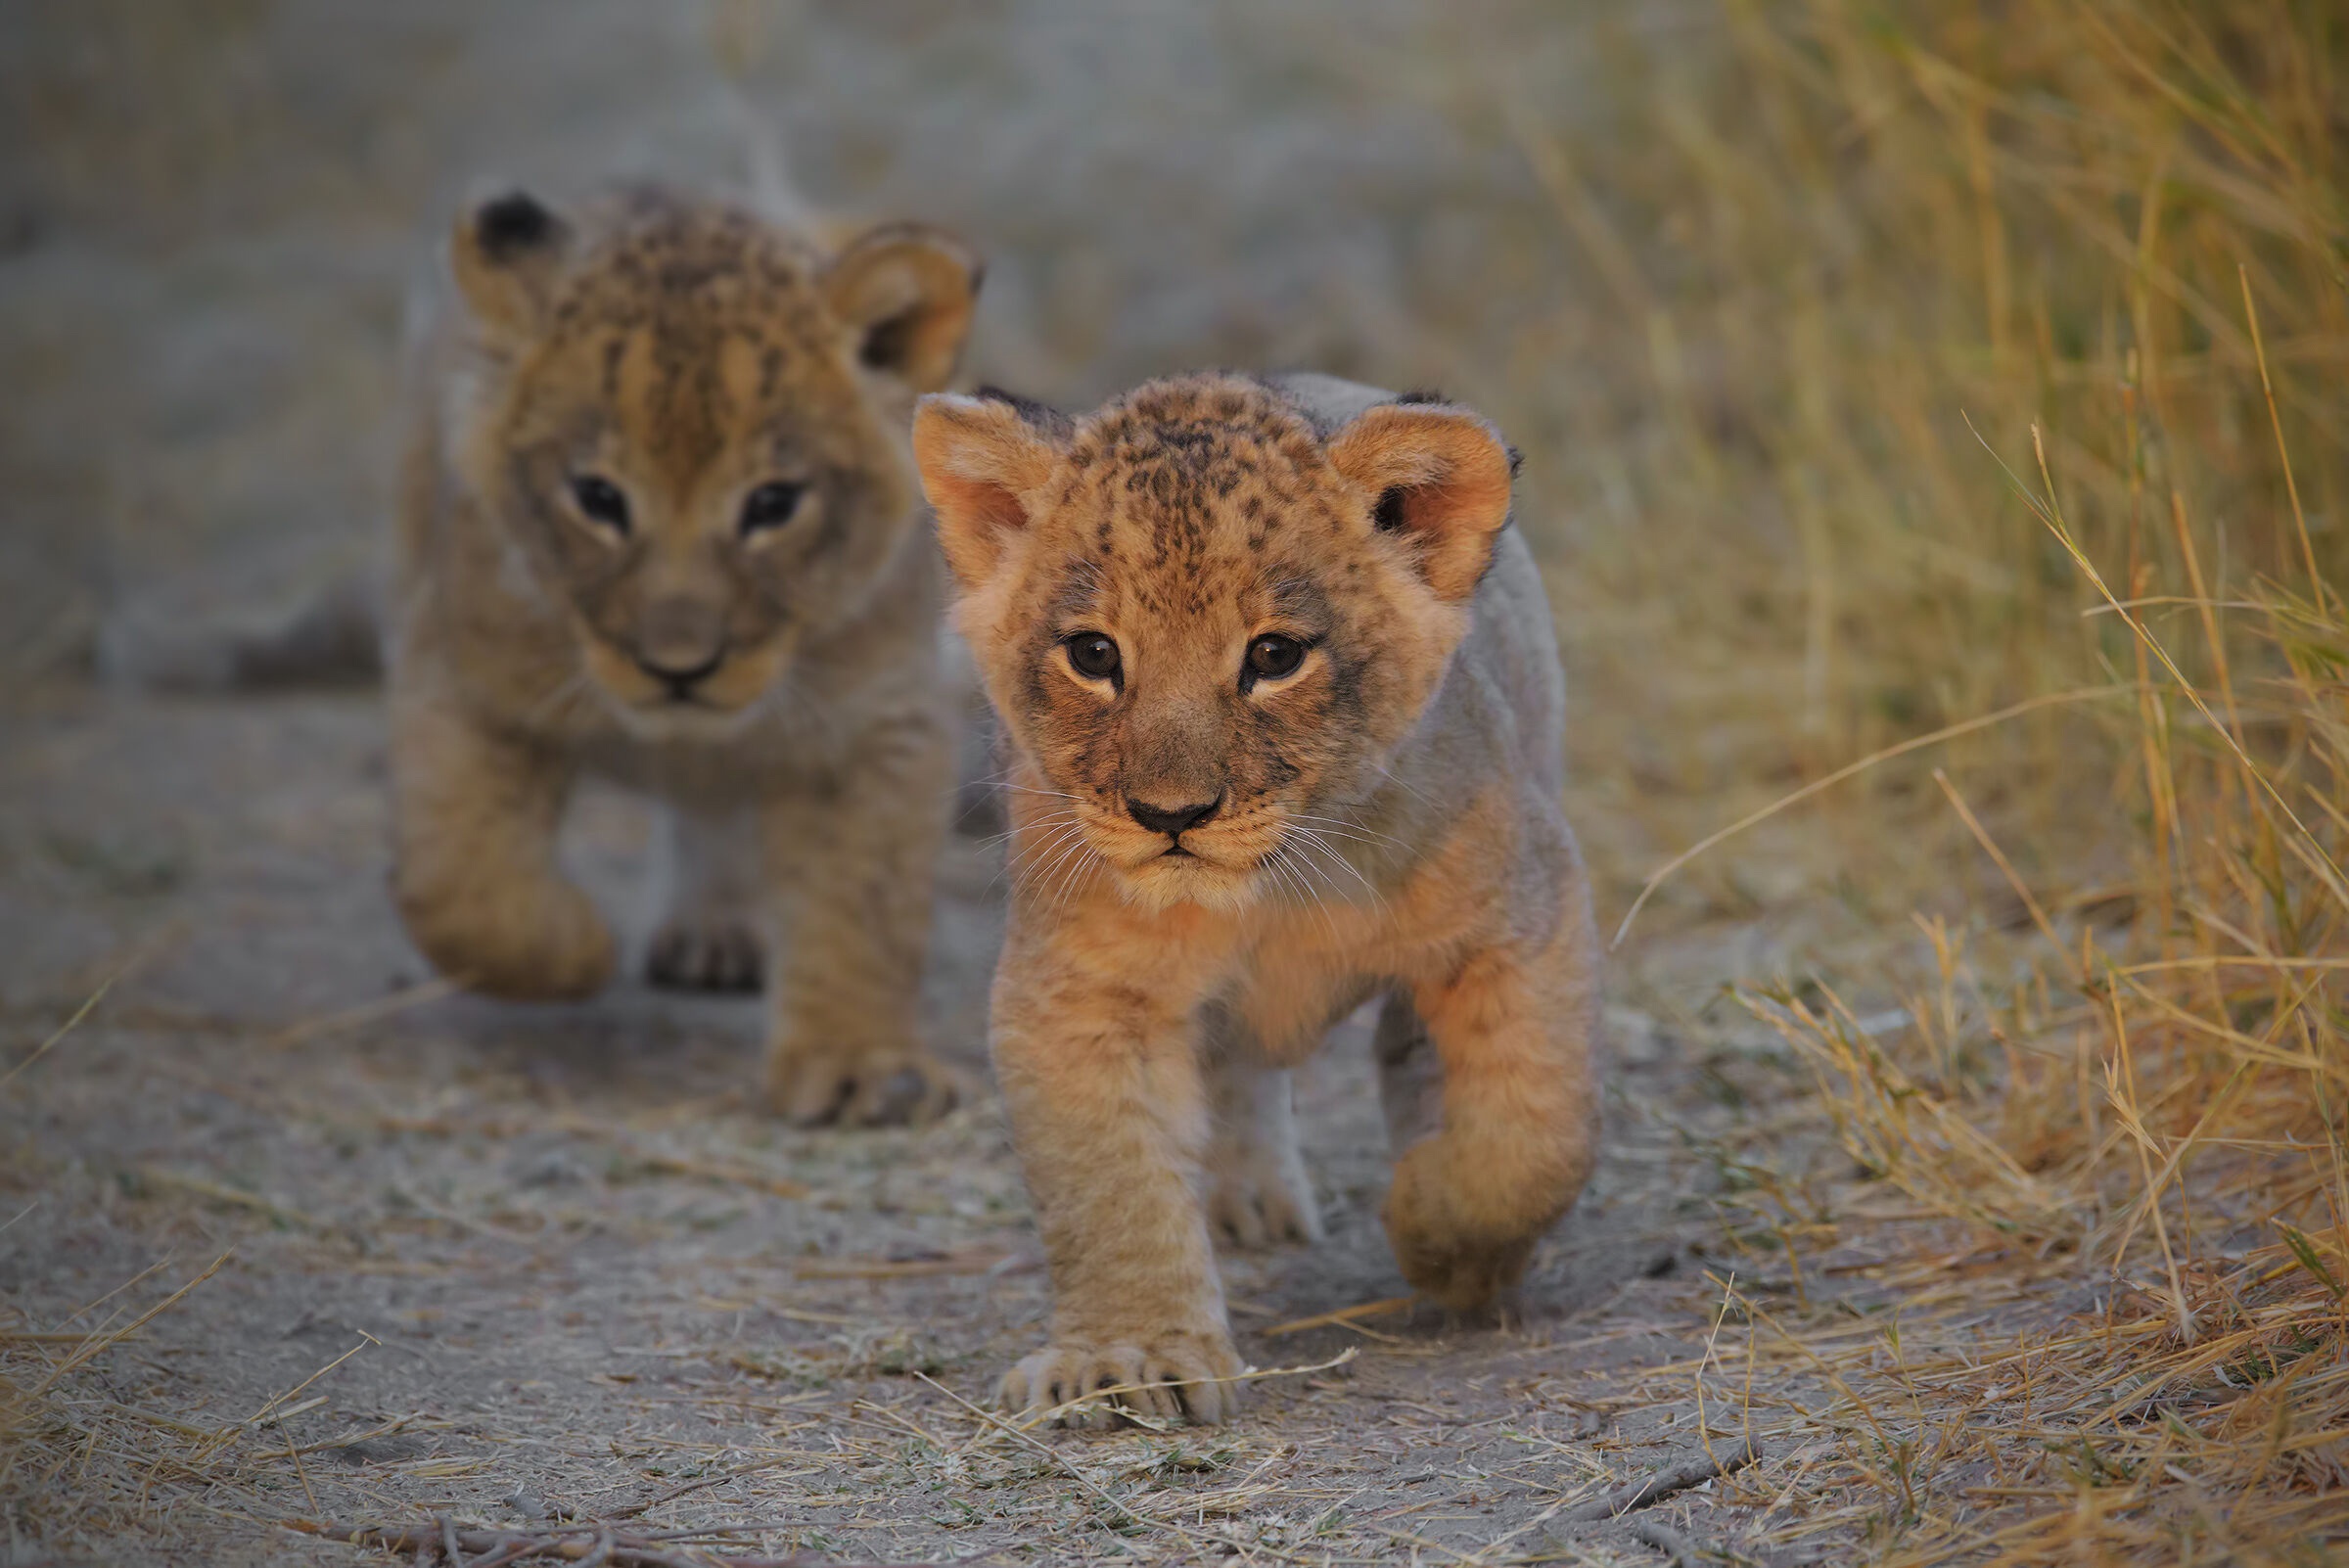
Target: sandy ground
pixel 569 1261
pixel 498 1260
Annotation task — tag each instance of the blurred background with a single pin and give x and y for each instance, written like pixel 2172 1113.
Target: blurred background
pixel 213 214
pixel 1734 276
pixel 1881 369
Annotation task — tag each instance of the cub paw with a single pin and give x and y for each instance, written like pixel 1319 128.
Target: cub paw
pixel 1257 1203
pixel 690 954
pixel 818 1086
pixel 1455 1252
pixel 1176 1377
pixel 543 943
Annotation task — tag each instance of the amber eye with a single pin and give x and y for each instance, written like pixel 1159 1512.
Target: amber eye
pixel 601 501
pixel 1093 655
pixel 770 506
pixel 1271 657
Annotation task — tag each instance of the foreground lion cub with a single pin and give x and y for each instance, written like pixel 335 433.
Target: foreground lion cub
pixel 1285 713
pixel 659 522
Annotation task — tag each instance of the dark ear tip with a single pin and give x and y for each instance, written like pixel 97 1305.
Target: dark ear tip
pixel 506 225
pixel 1043 416
pixel 1516 459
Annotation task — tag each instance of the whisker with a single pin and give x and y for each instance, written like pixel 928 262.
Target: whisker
pixel 1055 819
pixel 1078 868
pixel 1329 924
pixel 1307 838
pixel 1276 864
pixel 1054 829
pixel 1061 850
pixel 564 691
pixel 1407 785
pixel 1330 885
pixel 1030 859
pixel 1071 848
pixel 1000 784
pixel 1344 829
pixel 1322 838
pixel 1291 875
pixel 1319 873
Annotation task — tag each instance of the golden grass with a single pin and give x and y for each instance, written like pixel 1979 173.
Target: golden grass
pixel 1953 432
pixel 1989 361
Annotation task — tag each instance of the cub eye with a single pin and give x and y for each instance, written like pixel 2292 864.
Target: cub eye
pixel 601 501
pixel 1093 655
pixel 770 506
pixel 1271 657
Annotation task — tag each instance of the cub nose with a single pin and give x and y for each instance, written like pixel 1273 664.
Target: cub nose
pixel 678 677
pixel 1171 819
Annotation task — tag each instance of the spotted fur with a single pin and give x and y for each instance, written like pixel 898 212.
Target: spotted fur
pixel 658 522
pixel 1381 820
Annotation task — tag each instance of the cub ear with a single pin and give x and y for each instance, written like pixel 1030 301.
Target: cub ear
pixel 1439 477
pixel 908 291
pixel 506 253
pixel 982 460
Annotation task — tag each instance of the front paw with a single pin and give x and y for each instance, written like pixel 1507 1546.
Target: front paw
pixel 702 953
pixel 816 1085
pixel 1259 1202
pixel 1168 1376
pixel 524 940
pixel 1456 1242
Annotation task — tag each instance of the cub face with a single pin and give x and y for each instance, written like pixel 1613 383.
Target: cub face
pixel 687 421
pixel 1207 624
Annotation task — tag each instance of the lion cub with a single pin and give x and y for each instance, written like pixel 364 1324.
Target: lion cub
pixel 659 523
pixel 1285 713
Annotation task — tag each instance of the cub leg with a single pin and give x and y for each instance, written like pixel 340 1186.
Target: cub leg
pixel 474 819
pixel 1258 1190
pixel 1518 1118
pixel 853 869
pixel 1410 1076
pixel 710 937
pixel 1098 1064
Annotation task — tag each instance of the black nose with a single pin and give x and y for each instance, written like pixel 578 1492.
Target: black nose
pixel 680 678
pixel 1171 818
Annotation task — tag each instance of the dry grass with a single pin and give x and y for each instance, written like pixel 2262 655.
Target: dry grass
pixel 1950 419
pixel 1996 355
pixel 77 1466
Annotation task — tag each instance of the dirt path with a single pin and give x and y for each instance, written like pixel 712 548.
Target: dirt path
pixel 552 1254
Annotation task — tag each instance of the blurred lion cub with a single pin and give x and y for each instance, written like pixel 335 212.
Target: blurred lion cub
pixel 659 522
pixel 1285 714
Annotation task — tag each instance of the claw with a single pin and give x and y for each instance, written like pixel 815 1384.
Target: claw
pixel 688 955
pixel 1181 1377
pixel 823 1090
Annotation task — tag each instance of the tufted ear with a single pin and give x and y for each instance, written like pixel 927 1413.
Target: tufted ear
pixel 506 253
pixel 1438 477
pixel 982 460
pixel 908 291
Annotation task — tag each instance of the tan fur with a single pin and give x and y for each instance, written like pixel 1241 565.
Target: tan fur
pixel 1387 823
pixel 686 354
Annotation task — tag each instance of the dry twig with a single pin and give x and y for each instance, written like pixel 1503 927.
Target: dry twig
pixel 1663 1484
pixel 593 1542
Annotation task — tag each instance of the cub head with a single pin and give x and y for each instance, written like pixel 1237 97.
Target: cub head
pixel 690 423
pixel 1205 620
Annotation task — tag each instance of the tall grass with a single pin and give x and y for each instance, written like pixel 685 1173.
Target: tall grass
pixel 2000 355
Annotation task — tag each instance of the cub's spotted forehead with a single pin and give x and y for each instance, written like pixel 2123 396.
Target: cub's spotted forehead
pixel 1185 471
pixel 1213 430
pixel 1197 495
pixel 688 329
pixel 654 261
